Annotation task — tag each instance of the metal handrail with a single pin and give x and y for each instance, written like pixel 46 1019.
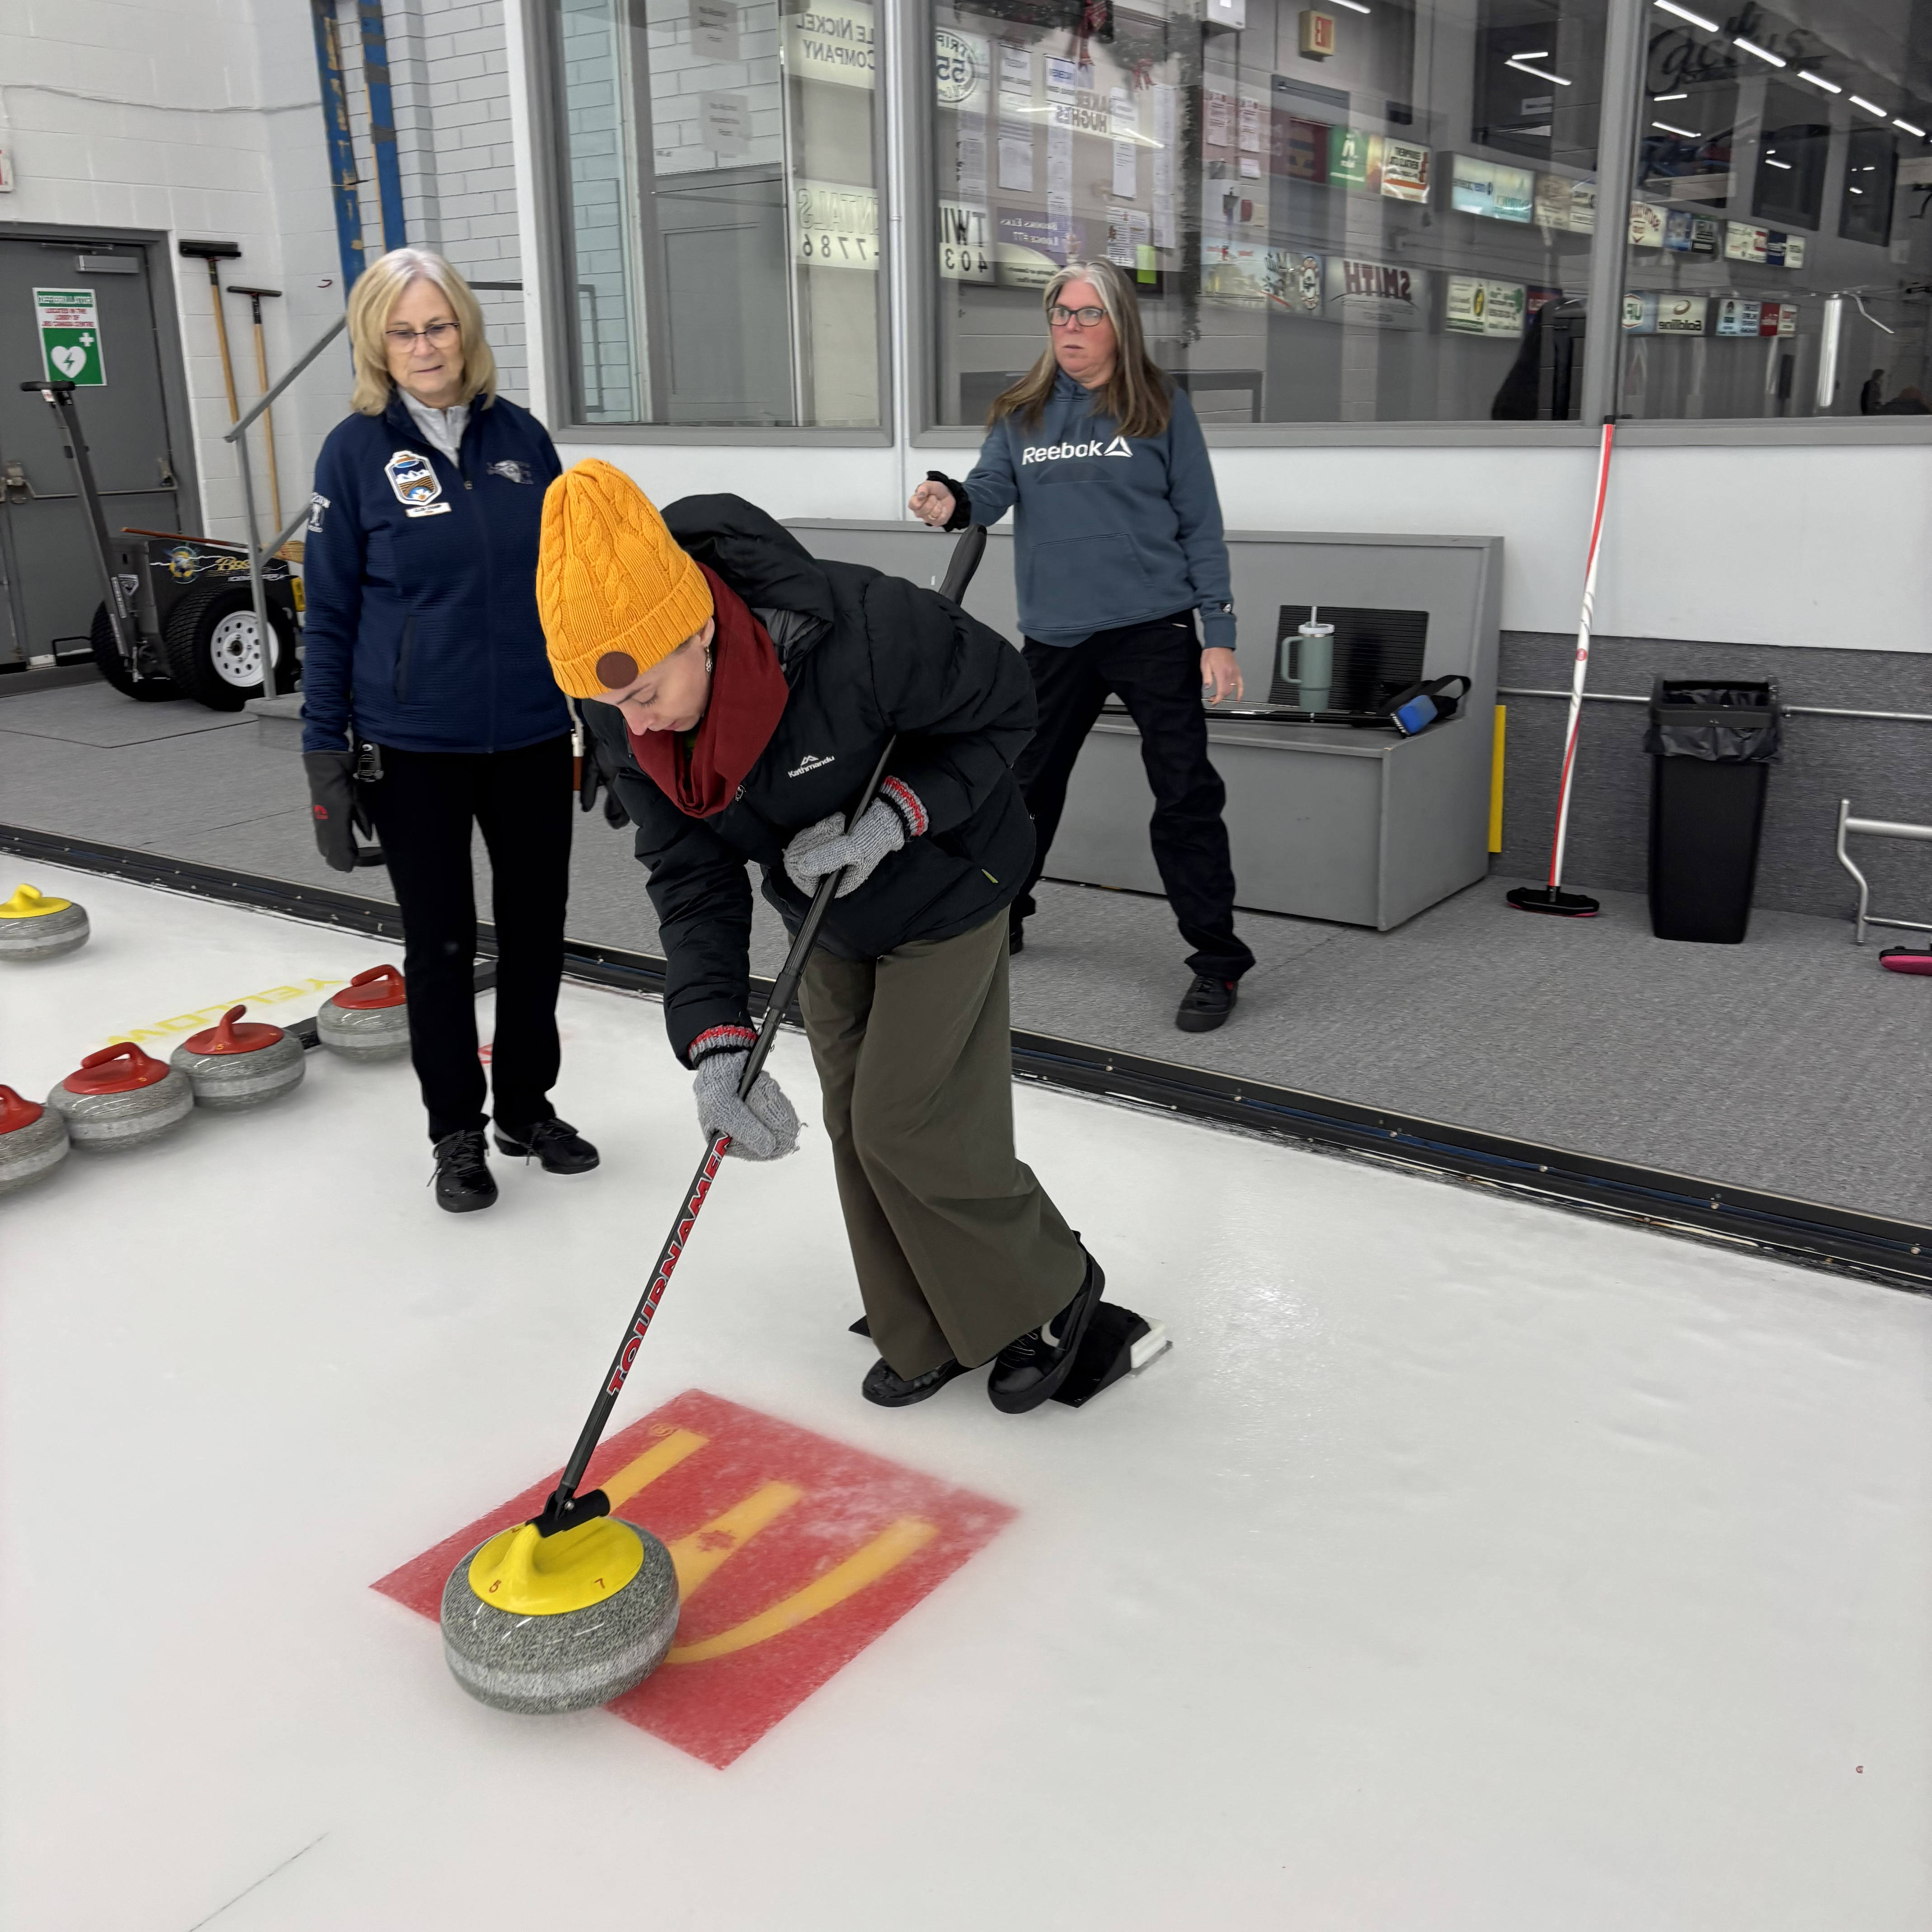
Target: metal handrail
pixel 1791 710
pixel 1878 828
pixel 335 329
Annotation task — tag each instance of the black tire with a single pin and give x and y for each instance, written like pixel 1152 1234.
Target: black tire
pixel 211 647
pixel 107 661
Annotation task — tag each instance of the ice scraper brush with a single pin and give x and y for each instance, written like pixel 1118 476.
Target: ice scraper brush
pixel 575 1606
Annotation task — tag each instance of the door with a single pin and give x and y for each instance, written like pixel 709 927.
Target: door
pixel 51 585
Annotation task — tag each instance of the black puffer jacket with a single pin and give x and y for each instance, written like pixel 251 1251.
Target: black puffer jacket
pixel 875 655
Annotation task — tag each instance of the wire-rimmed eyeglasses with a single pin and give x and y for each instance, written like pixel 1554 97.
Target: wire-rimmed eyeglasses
pixel 436 335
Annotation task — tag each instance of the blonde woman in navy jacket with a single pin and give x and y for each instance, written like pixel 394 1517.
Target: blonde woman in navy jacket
pixel 429 708
pixel 1117 552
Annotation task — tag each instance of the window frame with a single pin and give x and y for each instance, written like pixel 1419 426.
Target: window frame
pixel 1623 76
pixel 558 323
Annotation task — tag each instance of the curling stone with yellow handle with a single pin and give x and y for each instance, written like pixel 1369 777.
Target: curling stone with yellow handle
pixel 121 1098
pixel 34 926
pixel 33 1140
pixel 231 1065
pixel 543 1623
pixel 369 1019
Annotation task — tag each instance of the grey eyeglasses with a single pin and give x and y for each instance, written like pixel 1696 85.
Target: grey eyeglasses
pixel 436 335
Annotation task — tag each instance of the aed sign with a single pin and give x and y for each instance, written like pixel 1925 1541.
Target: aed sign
pixel 69 337
pixel 1318 34
pixel 793 1553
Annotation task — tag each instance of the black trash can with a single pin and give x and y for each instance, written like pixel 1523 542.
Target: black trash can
pixel 1711 746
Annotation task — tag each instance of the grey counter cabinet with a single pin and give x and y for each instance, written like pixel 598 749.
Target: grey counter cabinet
pixel 1358 826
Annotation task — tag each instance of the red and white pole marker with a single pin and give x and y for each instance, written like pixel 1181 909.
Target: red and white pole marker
pixel 1552 897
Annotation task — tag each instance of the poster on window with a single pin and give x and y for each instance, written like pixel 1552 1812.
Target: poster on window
pixel 835 225
pixel 961 73
pixel 1646 225
pixel 1736 317
pixel 1299 148
pixel 1476 305
pixel 1355 157
pixel 1490 189
pixel 1028 247
pixel 1404 171
pixel 965 242
pixel 1294 279
pixel 1744 243
pixel 1375 294
pixel 832 41
pixel 1680 315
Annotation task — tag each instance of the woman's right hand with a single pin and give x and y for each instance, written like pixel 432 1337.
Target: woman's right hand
pixel 932 503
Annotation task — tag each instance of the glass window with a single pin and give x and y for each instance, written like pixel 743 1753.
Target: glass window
pixel 1779 248
pixel 1378 210
pixel 720 179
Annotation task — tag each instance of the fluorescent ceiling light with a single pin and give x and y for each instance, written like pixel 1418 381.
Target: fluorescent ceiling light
pixel 1541 73
pixel 1684 13
pixel 1770 164
pixel 1857 190
pixel 1908 127
pixel 1869 106
pixel 1353 6
pixel 1539 53
pixel 1670 97
pixel 1688 134
pixel 1752 47
pixel 1818 80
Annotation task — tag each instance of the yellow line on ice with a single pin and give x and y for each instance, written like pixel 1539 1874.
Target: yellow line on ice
pixel 698 1555
pixel 658 1460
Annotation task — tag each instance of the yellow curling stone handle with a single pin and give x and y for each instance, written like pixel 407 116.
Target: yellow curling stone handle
pixel 527 1575
pixel 27 903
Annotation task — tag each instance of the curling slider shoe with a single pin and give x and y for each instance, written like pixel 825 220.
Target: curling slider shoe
pixel 33 926
pixel 1907 959
pixel 546 1624
pixel 369 1019
pixel 1553 900
pixel 231 1066
pixel 121 1098
pixel 33 1140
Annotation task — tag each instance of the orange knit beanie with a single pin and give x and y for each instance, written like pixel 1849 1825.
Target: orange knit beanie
pixel 615 593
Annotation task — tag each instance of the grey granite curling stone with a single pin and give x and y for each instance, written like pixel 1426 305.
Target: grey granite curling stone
pixel 572 1659
pixel 231 1067
pixel 369 1019
pixel 33 926
pixel 33 1140
pixel 120 1098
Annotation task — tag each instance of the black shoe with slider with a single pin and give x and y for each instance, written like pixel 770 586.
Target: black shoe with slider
pixel 1027 1372
pixel 556 1144
pixel 463 1178
pixel 1205 1004
pixel 886 1386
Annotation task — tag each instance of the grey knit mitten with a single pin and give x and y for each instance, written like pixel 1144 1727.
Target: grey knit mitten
pixel 827 847
pixel 763 1127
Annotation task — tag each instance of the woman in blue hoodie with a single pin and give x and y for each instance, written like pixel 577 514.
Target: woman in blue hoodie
pixel 1117 545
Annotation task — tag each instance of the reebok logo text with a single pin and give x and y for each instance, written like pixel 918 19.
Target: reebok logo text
pixel 1057 452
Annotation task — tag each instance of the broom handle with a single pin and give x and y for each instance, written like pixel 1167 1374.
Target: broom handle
pixel 561 1511
pixel 1581 668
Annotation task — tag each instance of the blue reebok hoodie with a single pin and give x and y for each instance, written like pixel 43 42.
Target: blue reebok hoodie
pixel 1108 529
pixel 421 580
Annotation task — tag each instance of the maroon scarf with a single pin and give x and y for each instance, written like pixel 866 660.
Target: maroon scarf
pixel 748 697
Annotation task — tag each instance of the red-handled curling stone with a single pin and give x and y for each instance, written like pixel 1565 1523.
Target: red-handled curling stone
pixel 33 1140
pixel 120 1098
pixel 236 1064
pixel 369 1019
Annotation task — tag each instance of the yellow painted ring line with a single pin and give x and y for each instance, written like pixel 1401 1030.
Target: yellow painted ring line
pixel 28 902
pixel 660 1458
pixel 884 1554
pixel 696 1556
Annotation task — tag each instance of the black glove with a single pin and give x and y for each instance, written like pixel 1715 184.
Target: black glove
pixel 962 507
pixel 597 768
pixel 335 802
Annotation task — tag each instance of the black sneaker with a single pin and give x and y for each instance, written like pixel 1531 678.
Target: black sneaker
pixel 1016 939
pixel 560 1147
pixel 1027 1372
pixel 890 1390
pixel 463 1180
pixel 1205 1004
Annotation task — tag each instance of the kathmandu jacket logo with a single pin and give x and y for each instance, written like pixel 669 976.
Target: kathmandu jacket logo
pixel 1058 452
pixel 511 471
pixel 813 762
pixel 413 479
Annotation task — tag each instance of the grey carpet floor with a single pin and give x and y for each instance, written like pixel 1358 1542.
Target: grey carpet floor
pixel 1791 1063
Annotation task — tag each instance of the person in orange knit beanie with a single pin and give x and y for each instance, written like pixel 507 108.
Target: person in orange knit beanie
pixel 741 691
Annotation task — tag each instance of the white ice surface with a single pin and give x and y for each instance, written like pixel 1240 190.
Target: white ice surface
pixel 1465 1565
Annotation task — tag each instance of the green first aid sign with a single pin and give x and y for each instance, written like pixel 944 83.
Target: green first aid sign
pixel 69 337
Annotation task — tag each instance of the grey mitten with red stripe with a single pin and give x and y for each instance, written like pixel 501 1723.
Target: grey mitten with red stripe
pixel 763 1126
pixel 827 847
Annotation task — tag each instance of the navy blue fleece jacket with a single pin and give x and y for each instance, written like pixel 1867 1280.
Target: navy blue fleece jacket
pixel 1108 529
pixel 421 579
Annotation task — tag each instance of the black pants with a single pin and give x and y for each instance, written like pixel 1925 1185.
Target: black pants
pixel 1155 670
pixel 423 807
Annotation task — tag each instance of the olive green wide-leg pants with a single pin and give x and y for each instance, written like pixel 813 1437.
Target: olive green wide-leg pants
pixel 959 1249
